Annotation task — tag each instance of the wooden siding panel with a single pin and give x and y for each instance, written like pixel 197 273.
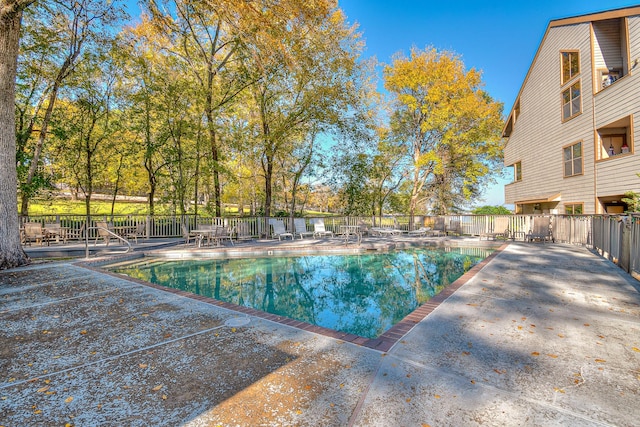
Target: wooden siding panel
pixel 634 40
pixel 617 176
pixel 539 134
pixel 607 44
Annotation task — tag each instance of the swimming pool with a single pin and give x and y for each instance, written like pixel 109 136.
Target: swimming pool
pixel 362 294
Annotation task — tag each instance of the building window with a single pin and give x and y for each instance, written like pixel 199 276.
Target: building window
pixel 572 156
pixel 574 209
pixel 570 65
pixel 517 171
pixel 571 101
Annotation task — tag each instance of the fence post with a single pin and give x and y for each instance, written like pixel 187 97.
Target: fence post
pixel 625 244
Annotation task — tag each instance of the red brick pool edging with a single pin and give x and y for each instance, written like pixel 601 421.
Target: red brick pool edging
pixel 382 343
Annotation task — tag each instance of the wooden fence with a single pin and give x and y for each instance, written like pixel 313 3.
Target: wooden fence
pixel 616 238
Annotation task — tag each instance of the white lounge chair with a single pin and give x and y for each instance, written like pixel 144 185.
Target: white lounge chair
pixel 278 229
pixel 318 228
pixel 300 226
pixel 422 231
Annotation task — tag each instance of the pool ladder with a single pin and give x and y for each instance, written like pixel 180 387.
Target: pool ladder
pixel 111 233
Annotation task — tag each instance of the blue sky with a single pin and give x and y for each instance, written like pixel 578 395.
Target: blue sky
pixel 498 37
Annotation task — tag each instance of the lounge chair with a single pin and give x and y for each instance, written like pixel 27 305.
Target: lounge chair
pixel 385 231
pixel 318 228
pixel 499 228
pixel 300 226
pixel 422 231
pixel 540 230
pixel 278 229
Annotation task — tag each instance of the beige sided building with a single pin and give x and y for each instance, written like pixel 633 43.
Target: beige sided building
pixel 573 136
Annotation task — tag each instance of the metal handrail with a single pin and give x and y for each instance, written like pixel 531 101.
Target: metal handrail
pixel 86 240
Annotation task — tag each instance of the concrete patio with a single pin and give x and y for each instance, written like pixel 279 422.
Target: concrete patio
pixel 544 334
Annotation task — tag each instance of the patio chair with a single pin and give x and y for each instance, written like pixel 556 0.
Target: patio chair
pixel 54 230
pixel 438 227
pixel 319 229
pixel 300 226
pixel 364 228
pixel 499 228
pixel 33 231
pixel 188 235
pixel 223 233
pixel 454 228
pixel 540 230
pixel 103 232
pixel 278 229
pixel 139 231
pixel 421 232
pixel 243 231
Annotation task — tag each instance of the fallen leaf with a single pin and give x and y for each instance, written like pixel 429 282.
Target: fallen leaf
pixel 601 361
pixel 586 324
pixel 535 353
pixel 233 329
pixel 142 365
pixel 437 396
pixel 164 397
pixel 43 389
pixel 37 411
pixel 636 349
pixel 83 332
pixel 558 390
pixel 555 356
pixel 68 399
pixel 466 353
pixel 156 388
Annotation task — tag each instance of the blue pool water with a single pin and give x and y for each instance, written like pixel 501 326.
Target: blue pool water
pixel 362 294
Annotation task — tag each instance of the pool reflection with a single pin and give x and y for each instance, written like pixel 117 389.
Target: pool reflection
pixel 363 294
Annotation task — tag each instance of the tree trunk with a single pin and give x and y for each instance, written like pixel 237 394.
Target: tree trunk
pixel 11 252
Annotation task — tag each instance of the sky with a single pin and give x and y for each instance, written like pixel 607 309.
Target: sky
pixel 498 37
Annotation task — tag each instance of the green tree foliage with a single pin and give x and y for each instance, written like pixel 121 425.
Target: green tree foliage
pixel 58 34
pixel 491 210
pixel 450 127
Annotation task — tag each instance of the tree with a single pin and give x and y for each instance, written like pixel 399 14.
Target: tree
pixel 73 27
pixel 11 252
pixel 491 210
pixel 305 85
pixel 450 126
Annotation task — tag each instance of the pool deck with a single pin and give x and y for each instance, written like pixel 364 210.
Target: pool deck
pixel 542 335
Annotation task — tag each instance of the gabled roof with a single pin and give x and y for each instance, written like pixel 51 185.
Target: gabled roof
pixel 590 17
